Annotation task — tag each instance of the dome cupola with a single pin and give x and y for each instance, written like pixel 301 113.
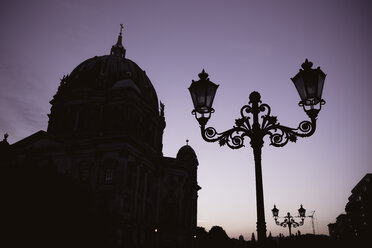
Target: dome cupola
pixel 118 49
pixel 187 154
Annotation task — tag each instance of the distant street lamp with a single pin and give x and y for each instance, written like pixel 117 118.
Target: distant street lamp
pixel 309 84
pixel 288 219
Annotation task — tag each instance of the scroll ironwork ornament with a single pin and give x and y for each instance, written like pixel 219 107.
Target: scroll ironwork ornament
pixel 250 126
pixel 289 221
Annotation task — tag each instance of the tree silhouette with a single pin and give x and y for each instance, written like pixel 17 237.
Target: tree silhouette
pixel 218 237
pixel 202 237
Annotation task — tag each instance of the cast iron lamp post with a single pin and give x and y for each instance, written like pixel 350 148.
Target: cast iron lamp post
pixel 309 84
pixel 288 219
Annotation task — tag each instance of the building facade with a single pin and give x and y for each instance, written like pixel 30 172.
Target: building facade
pixel 105 131
pixel 357 222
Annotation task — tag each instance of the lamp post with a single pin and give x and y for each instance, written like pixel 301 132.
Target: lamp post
pixel 309 84
pixel 288 219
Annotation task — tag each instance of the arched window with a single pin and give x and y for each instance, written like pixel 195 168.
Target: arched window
pixel 109 175
pixel 109 171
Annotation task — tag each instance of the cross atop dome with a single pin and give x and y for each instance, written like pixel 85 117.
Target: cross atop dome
pixel 118 49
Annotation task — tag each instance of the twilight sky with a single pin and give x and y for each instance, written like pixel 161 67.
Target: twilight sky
pixel 243 46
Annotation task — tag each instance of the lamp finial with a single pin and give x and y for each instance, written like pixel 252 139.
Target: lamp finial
pixel 307 65
pixel 203 75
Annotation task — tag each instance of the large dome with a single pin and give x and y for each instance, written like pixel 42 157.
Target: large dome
pixel 108 96
pixel 112 72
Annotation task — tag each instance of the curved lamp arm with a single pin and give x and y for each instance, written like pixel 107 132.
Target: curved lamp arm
pixel 289 221
pixel 246 126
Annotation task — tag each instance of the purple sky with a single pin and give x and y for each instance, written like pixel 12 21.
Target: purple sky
pixel 244 46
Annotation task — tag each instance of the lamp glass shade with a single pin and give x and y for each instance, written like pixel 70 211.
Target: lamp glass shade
pixel 300 86
pixel 202 93
pixel 302 211
pixel 275 211
pixel 309 84
pixel 321 79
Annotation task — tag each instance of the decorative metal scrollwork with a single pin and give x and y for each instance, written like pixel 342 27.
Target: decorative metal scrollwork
pixel 279 135
pixel 232 138
pixel 289 221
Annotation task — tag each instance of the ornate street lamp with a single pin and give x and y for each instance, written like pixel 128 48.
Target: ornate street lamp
pixel 288 219
pixel 202 94
pixel 309 83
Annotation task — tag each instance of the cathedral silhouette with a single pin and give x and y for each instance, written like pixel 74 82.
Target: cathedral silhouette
pixel 105 133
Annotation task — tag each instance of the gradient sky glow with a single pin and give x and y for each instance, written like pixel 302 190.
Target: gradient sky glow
pixel 243 46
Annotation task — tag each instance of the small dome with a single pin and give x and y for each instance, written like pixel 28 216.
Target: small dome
pixel 186 153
